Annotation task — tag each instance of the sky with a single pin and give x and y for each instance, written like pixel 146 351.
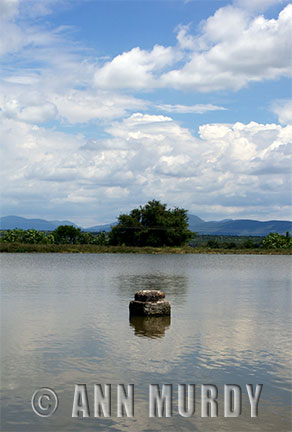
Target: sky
pixel 105 105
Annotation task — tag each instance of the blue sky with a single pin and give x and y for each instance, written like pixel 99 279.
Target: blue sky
pixel 105 105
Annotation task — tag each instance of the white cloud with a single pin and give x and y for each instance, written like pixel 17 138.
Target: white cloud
pixel 8 9
pixel 31 114
pixel 32 93
pixel 236 22
pixel 236 50
pixel 38 98
pixel 283 109
pixel 18 35
pixel 190 109
pixel 82 106
pixel 36 8
pixel 233 49
pixel 230 168
pixel 11 37
pixel 185 40
pixel 134 69
pixel 249 149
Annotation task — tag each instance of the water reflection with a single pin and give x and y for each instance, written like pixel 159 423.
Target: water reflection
pixel 150 327
pixel 65 321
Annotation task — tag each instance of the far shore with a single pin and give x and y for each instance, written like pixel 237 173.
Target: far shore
pixel 86 248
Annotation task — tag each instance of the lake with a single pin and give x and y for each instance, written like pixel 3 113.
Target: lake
pixel 65 321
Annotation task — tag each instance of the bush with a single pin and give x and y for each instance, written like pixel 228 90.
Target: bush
pixel 213 244
pixel 30 236
pixel 277 241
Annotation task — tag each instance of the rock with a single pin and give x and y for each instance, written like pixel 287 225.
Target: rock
pixel 149 303
pixel 160 308
pixel 149 295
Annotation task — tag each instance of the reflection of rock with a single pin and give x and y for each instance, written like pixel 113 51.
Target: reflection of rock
pixel 151 327
pixel 149 303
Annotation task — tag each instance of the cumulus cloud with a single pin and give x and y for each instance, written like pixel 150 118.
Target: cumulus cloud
pixel 37 113
pixel 283 109
pixel 36 99
pixel 135 69
pixel 249 149
pixel 186 41
pixel 232 50
pixel 229 168
pixel 236 50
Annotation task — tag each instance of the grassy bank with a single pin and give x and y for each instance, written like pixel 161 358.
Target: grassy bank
pixel 86 248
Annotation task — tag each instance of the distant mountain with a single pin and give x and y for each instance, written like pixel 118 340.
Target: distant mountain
pixel 98 228
pixel 225 227
pixel 11 222
pixel 195 220
pixel 63 222
pixel 241 227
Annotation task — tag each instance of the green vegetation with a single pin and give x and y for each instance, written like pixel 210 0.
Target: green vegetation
pixel 90 248
pixel 277 241
pixel 30 236
pixel 63 235
pixel 152 225
pixel 226 242
pixel 149 229
pixel 16 241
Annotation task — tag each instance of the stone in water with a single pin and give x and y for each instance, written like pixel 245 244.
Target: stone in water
pixel 149 303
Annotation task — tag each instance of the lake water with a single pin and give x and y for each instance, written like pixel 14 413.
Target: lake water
pixel 65 321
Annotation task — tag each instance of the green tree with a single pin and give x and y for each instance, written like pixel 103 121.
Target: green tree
pixel 101 239
pixel 152 225
pixel 33 236
pixel 68 234
pixel 49 239
pixel 277 241
pixel 13 236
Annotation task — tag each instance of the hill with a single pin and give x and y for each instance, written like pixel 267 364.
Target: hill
pixel 98 228
pixel 11 222
pixel 243 227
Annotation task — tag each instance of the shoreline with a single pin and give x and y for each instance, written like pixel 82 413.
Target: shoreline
pixel 67 248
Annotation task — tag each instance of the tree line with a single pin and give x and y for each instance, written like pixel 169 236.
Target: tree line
pixel 64 234
pixel 149 225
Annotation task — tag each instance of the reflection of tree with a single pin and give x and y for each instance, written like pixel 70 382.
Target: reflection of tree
pixel 150 327
pixel 174 286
